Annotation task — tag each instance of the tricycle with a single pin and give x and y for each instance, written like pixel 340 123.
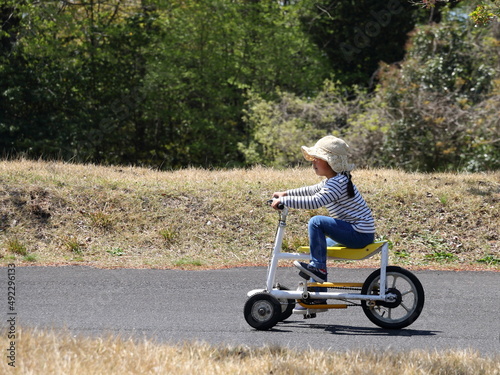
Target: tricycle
pixel 391 297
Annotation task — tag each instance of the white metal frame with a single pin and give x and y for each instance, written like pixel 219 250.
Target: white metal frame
pixel 277 255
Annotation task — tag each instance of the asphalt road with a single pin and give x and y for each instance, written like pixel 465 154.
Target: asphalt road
pixel 461 309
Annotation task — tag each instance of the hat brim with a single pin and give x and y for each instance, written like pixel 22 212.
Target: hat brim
pixel 338 163
pixel 310 153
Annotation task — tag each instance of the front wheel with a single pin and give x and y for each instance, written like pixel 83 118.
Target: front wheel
pixel 406 305
pixel 262 311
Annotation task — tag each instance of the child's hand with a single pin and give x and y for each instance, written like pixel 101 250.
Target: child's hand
pixel 275 204
pixel 276 199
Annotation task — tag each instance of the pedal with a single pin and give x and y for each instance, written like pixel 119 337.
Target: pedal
pixel 309 316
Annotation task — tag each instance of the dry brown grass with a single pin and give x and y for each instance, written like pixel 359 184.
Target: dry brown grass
pixel 60 213
pixel 45 352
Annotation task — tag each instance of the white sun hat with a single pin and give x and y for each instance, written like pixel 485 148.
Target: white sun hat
pixel 331 149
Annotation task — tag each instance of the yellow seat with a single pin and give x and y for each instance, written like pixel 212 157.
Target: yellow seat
pixel 347 253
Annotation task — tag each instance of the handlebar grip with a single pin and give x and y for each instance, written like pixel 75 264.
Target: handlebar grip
pixel 280 205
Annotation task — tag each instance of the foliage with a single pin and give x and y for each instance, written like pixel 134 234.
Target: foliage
pixel 484 12
pixel 225 83
pixel 441 104
pixel 280 127
pixel 73 69
pixel 144 82
pixel 211 53
pixel 436 110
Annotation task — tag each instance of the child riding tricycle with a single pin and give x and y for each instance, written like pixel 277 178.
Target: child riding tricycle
pixel 391 297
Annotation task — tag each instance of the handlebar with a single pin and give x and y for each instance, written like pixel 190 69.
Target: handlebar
pixel 280 206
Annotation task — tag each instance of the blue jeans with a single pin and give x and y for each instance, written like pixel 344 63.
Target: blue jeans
pixel 323 229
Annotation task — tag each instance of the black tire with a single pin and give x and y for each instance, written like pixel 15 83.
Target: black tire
pixel 409 302
pixel 262 311
pixel 287 305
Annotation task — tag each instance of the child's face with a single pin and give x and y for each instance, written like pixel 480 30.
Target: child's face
pixel 322 168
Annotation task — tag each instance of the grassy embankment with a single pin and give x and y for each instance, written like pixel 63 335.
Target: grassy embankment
pixel 58 213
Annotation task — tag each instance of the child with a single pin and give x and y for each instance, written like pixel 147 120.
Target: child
pixel 350 224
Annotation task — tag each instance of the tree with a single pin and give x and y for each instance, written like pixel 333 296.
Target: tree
pixel 437 110
pixel 280 126
pixel 484 12
pixel 149 82
pixel 212 52
pixel 67 77
pixel 440 100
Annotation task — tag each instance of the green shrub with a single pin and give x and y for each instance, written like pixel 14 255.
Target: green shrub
pixel 437 110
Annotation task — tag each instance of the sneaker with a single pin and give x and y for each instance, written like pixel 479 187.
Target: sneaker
pixel 316 274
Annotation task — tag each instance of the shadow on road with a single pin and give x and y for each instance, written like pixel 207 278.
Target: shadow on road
pixel 355 331
pixel 374 331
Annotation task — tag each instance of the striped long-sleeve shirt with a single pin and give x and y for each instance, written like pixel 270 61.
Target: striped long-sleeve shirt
pixel 332 194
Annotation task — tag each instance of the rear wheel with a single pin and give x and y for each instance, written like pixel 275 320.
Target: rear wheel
pixel 262 311
pixel 407 298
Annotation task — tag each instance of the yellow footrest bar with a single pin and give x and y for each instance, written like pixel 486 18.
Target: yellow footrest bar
pixel 335 285
pixel 325 306
pixel 347 253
